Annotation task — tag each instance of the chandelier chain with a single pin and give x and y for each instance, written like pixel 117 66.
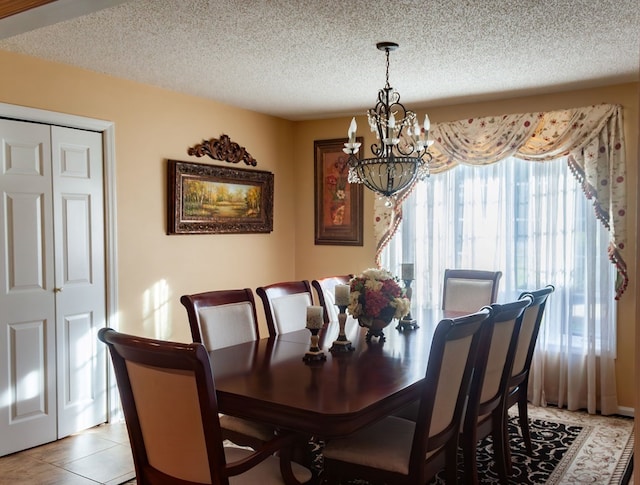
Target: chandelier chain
pixel 387 85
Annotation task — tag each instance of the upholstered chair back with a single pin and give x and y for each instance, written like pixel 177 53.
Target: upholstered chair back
pixel 325 291
pixel 222 318
pixel 530 329
pixel 485 413
pixel 285 305
pixel 469 290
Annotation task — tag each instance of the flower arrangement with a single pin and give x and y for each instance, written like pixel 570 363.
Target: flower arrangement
pixel 376 294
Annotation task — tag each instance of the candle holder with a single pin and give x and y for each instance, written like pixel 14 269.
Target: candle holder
pixel 314 354
pixel 342 343
pixel 407 322
pixel 314 324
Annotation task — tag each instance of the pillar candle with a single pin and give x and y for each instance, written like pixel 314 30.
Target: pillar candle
pixel 342 294
pixel 407 271
pixel 314 317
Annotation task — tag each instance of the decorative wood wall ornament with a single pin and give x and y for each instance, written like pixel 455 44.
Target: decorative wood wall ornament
pixel 223 149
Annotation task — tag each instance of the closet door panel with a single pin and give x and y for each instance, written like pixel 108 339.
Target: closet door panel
pixel 78 210
pixel 27 302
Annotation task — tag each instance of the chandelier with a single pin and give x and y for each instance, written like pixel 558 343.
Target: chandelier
pixel 401 154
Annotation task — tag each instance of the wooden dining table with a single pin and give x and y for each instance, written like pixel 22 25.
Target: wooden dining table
pixel 267 380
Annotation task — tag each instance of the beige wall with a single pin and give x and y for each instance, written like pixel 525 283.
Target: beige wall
pixel 153 125
pixel 312 261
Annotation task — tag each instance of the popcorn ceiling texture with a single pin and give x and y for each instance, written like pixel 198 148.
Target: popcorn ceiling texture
pixel 306 59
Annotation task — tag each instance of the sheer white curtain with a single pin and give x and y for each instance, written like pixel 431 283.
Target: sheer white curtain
pixel 531 221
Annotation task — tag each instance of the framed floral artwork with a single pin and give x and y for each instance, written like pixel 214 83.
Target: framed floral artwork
pixel 338 204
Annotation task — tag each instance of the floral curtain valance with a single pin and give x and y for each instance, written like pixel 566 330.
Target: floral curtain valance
pixel 592 138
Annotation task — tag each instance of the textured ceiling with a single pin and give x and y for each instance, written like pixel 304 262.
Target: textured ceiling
pixel 305 59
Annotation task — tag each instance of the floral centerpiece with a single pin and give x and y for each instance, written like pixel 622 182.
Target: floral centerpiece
pixel 376 298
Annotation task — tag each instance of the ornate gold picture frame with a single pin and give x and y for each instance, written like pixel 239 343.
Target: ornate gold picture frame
pixel 210 199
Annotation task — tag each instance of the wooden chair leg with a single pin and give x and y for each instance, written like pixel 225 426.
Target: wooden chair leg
pixel 500 445
pixel 523 418
pixel 507 443
pixel 469 448
pixel 451 466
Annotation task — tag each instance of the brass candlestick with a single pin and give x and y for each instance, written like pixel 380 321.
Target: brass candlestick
pixel 407 321
pixel 342 344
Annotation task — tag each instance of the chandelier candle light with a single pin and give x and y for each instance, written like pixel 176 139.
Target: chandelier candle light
pixel 314 324
pixel 401 156
pixel 342 295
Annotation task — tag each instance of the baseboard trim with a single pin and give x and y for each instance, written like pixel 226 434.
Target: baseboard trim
pixel 626 411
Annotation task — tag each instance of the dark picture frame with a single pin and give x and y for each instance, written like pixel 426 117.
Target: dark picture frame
pixel 210 199
pixel 338 204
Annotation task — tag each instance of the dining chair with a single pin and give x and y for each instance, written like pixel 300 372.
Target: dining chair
pixel 170 406
pixel 467 290
pixel 219 319
pixel 222 318
pixel 519 380
pixel 285 305
pixel 485 412
pixel 325 288
pixel 401 451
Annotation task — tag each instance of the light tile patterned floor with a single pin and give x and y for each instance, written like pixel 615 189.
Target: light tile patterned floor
pixel 99 455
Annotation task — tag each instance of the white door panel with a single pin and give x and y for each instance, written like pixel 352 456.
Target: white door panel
pixel 24 226
pixel 80 277
pixel 31 413
pixel 27 311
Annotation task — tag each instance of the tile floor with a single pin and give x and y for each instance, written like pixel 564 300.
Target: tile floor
pixel 99 455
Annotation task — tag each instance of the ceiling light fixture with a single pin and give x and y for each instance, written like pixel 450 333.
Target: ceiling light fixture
pixel 401 154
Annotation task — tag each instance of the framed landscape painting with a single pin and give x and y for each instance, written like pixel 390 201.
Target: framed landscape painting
pixel 338 204
pixel 209 199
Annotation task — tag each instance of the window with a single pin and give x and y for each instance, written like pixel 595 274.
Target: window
pixel 529 220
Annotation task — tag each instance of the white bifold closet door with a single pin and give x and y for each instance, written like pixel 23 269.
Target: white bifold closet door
pixel 52 283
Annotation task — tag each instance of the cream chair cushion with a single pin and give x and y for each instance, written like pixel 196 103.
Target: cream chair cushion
pixel 290 311
pixel 467 295
pixel 160 417
pixel 225 325
pixel 385 444
pixel 449 382
pixel 266 473
pixel 330 302
pixel 254 429
pixel 524 338
pixel 502 333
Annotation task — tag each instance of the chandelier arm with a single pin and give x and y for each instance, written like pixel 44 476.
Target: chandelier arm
pixel 410 150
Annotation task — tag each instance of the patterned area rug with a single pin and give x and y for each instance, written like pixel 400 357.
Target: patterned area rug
pixel 568 448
